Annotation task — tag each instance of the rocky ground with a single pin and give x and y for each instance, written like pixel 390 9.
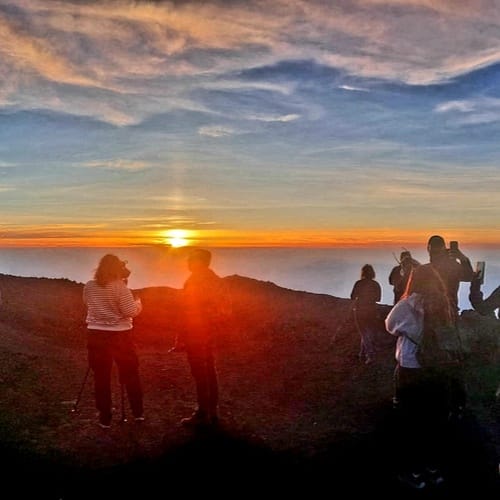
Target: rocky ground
pixel 299 413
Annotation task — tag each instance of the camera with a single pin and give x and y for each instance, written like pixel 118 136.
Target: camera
pixel 125 272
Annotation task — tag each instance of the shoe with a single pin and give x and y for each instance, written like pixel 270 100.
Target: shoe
pixel 414 480
pixel 197 419
pixel 434 476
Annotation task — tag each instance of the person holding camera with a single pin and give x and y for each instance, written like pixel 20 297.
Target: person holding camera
pixel 111 308
pixel 483 306
pixel 452 265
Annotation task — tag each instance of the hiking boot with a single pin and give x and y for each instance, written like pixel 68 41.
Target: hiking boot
pixel 414 480
pixel 197 419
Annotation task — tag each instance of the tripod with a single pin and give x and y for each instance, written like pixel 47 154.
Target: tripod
pixel 75 406
pixel 74 409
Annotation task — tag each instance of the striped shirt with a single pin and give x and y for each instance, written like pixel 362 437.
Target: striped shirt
pixel 110 307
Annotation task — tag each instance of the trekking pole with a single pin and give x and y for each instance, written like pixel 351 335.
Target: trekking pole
pixel 75 406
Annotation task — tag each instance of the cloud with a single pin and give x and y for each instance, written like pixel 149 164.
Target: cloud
pixel 127 47
pixel 275 118
pixel 118 164
pixel 353 89
pixel 472 111
pixel 216 131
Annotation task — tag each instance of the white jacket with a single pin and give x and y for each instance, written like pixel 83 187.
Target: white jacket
pixel 406 319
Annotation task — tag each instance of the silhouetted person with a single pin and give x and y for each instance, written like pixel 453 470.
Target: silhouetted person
pixel 399 275
pixel 422 393
pixel 366 293
pixel 207 305
pixel 111 308
pixel 453 267
pixel 483 306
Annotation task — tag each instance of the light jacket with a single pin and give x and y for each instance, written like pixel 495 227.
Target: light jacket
pixel 110 307
pixel 406 319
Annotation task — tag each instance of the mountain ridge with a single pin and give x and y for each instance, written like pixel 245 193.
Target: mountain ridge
pixel 295 401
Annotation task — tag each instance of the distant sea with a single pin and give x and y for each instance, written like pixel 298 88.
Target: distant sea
pixel 331 271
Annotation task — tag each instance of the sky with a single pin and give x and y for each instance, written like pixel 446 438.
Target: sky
pixel 249 123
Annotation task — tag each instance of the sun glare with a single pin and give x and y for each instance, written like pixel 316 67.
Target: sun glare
pixel 177 237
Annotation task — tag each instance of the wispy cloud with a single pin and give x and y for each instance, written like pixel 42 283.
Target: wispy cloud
pixel 353 89
pixel 216 131
pixel 120 46
pixel 275 118
pixel 118 164
pixel 472 111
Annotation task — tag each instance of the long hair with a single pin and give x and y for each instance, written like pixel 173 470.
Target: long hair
pixel 110 268
pixel 426 281
pixel 367 272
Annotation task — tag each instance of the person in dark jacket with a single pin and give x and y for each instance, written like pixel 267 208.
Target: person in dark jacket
pixel 207 306
pixel 452 265
pixel 366 293
pixel 483 306
pixel 399 275
pixel 453 268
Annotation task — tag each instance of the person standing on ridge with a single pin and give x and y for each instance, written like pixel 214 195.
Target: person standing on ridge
pixel 366 293
pixel 399 275
pixel 453 267
pixel 207 306
pixel 111 308
pixel 422 393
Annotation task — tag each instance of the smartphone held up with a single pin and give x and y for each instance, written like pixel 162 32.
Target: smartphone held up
pixel 480 268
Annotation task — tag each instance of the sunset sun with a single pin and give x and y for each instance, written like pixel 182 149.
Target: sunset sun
pixel 177 237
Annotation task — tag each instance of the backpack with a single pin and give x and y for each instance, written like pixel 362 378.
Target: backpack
pixel 439 346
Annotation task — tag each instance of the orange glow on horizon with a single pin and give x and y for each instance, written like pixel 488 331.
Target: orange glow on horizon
pixel 177 238
pixel 362 237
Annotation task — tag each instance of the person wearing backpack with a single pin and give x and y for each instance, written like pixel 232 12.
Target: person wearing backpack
pixel 422 392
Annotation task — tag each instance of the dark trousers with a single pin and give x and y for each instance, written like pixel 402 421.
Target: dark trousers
pixel 423 396
pixel 202 363
pixel 104 348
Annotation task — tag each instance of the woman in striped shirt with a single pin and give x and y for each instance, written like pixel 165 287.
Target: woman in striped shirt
pixel 111 308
